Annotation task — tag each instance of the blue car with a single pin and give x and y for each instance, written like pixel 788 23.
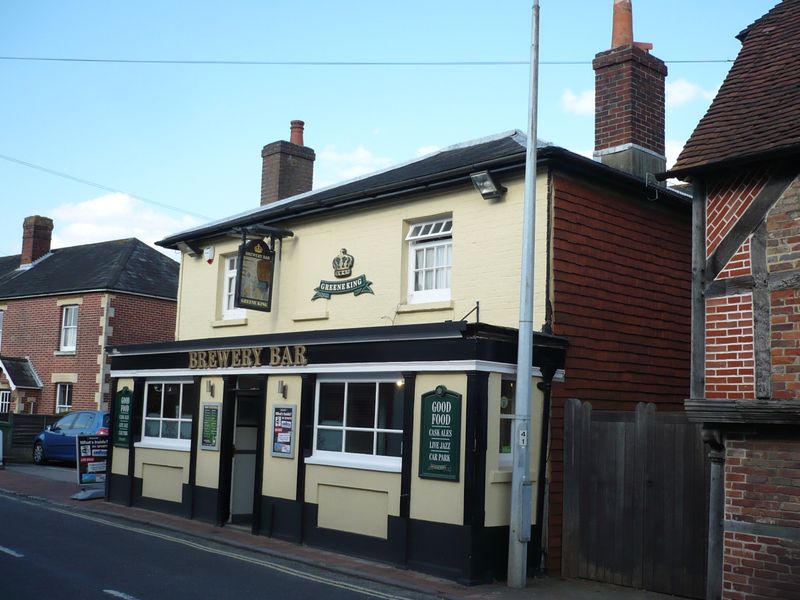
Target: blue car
pixel 57 441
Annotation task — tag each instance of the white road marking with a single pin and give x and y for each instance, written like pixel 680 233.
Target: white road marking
pixel 11 552
pixel 117 594
pixel 256 561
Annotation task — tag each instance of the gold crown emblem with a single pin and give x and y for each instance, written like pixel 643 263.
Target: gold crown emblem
pixel 343 264
pixel 258 248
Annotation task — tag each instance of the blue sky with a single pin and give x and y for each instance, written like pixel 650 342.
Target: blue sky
pixel 190 136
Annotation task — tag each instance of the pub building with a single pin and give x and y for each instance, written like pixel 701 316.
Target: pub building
pixel 344 367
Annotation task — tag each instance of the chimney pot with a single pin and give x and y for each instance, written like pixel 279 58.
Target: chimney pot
pixel 622 30
pixel 297 132
pixel 37 232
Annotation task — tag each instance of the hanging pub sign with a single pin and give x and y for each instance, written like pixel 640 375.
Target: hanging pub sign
pixel 440 433
pixel 254 276
pixel 342 270
pixel 122 412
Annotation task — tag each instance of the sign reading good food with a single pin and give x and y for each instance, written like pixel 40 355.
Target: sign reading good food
pixel 273 356
pixel 342 269
pixel 440 431
pixel 123 404
pixel 254 275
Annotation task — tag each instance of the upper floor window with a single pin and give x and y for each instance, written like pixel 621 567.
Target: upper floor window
pixel 2 315
pixel 168 413
pixel 5 401
pixel 63 397
pixel 430 246
pixel 69 327
pixel 229 311
pixel 360 421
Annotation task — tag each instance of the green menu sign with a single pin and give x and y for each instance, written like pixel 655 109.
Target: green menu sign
pixel 209 426
pixel 123 410
pixel 440 435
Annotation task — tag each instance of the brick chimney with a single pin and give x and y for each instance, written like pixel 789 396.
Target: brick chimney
pixel 287 168
pixel 629 101
pixel 36 234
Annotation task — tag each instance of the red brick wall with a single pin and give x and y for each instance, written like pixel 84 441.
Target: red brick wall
pixel 740 264
pixel 728 198
pixel 621 296
pixel 32 328
pixel 730 358
pixel 762 487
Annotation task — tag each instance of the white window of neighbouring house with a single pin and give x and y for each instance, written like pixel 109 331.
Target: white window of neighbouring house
pixel 359 424
pixel 168 414
pixel 507 392
pixel 69 327
pixel 63 397
pixel 5 401
pixel 430 257
pixel 2 316
pixel 229 311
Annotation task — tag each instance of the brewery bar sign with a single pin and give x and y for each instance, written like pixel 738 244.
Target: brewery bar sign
pixel 345 284
pixel 272 356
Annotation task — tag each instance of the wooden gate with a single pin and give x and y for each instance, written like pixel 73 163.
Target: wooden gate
pixel 635 499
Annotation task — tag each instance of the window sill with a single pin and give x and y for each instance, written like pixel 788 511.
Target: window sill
pixel 350 462
pixel 229 322
pixel 425 307
pixel 179 446
pixel 64 353
pixel 501 476
pixel 310 316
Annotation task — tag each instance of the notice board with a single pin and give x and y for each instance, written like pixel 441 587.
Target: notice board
pixel 209 426
pixel 440 435
pixel 283 425
pixel 92 453
pixel 123 409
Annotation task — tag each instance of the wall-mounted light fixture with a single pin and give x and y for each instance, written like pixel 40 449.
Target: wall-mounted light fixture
pixel 486 185
pixel 282 389
pixel 210 387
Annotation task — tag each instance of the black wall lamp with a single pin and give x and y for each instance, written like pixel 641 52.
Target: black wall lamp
pixel 486 185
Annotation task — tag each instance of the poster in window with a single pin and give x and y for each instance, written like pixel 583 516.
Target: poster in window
pixel 440 435
pixel 254 276
pixel 283 430
pixel 209 426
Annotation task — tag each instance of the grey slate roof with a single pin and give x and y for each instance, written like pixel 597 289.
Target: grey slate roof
pixel 127 265
pixel 500 154
pixel 20 373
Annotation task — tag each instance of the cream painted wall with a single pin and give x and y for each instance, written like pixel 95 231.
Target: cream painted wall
pixel 358 511
pixel 168 458
pixel 162 482
pixel 119 461
pixel 498 481
pixel 356 479
pixel 207 473
pixel 280 474
pixel 486 265
pixel 433 499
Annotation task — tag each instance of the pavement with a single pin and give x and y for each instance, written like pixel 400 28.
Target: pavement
pixel 56 485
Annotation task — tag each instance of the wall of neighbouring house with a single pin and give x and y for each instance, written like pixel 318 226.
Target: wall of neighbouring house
pixel 621 293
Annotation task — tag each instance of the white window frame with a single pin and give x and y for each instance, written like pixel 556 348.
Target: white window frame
pixel 148 441
pixel 63 397
pixel 2 318
pixel 5 401
pixel 69 328
pixel 430 235
pixel 505 460
pixel 353 460
pixel 229 311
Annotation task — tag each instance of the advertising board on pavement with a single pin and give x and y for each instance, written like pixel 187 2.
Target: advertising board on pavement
pixel 92 454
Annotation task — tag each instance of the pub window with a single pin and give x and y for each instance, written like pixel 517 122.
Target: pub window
pixel 168 414
pixel 430 257
pixel 229 310
pixel 69 327
pixel 360 422
pixel 507 394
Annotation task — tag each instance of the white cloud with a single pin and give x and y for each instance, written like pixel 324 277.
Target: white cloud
pixel 581 103
pixel 681 91
pixel 425 150
pixel 333 166
pixel 672 149
pixel 112 217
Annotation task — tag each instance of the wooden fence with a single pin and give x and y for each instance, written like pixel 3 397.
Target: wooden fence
pixel 636 498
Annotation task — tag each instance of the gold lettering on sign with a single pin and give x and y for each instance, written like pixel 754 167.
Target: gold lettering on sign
pixel 192 360
pixel 212 359
pixel 256 356
pixel 237 358
pixel 300 355
pixel 274 356
pixel 201 360
pixel 279 356
pixel 222 357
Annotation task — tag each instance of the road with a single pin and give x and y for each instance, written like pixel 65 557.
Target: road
pixel 51 552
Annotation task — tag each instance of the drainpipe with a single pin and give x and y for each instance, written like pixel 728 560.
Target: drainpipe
pixel 716 513
pixel 545 385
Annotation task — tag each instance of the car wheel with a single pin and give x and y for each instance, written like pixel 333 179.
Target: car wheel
pixel 38 454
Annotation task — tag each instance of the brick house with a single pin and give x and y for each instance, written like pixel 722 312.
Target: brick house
pixel 743 160
pixel 61 309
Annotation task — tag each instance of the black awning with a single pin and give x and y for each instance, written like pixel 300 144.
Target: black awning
pixel 20 373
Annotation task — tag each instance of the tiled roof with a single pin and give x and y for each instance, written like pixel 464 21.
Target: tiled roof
pixel 756 113
pixel 20 373
pixel 127 265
